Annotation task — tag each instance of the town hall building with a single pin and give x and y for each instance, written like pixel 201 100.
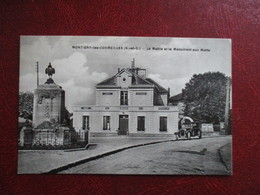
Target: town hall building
pixel 128 103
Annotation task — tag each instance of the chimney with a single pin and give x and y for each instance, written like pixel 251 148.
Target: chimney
pixel 118 70
pixel 136 71
pixel 133 64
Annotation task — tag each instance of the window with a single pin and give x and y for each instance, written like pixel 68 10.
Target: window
pixel 106 122
pixel 163 123
pixel 124 98
pixel 85 123
pixel 140 123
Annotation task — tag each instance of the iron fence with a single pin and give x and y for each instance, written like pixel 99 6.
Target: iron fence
pixel 44 139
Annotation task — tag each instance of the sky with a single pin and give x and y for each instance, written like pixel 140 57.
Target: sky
pixel 79 67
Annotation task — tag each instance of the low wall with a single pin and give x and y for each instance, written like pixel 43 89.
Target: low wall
pixel 99 134
pixel 43 137
pixel 49 139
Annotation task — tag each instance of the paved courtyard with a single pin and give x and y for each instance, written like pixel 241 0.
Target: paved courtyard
pixel 41 161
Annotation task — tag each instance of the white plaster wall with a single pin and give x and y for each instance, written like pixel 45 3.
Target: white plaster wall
pixel 181 108
pixel 133 122
pixel 108 100
pixel 151 121
pixel 121 82
pixel 77 120
pixel 172 122
pixel 164 99
pixel 97 125
pixel 96 121
pixel 141 100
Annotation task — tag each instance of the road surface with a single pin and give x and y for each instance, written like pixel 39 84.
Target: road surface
pixel 193 157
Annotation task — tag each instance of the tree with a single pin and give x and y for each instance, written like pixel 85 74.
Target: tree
pixel 26 105
pixel 204 97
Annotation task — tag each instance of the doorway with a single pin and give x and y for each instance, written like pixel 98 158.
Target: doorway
pixel 123 125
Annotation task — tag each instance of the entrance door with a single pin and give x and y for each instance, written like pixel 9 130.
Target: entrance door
pixel 123 124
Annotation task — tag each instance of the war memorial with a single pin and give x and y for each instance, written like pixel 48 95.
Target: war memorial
pixel 50 128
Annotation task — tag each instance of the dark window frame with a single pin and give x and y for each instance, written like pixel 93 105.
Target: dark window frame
pixel 163 123
pixel 124 98
pixel 85 122
pixel 140 123
pixel 106 123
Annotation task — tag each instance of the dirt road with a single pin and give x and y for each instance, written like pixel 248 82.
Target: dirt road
pixel 196 157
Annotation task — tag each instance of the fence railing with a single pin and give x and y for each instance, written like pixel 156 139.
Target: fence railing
pixel 44 139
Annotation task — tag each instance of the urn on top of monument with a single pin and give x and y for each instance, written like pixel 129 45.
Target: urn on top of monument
pixel 49 102
pixel 50 71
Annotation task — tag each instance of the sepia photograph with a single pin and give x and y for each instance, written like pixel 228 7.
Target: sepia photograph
pixel 125 105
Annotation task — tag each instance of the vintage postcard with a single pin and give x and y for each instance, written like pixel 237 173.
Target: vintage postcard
pixel 125 105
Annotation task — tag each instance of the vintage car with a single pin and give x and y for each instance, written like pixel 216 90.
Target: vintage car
pixel 188 129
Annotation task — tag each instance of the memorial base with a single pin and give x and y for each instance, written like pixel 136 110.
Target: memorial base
pixel 61 138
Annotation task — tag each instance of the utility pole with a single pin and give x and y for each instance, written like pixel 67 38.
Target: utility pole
pixel 227 106
pixel 37 71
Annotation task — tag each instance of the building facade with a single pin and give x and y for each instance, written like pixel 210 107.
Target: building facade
pixel 178 100
pixel 128 103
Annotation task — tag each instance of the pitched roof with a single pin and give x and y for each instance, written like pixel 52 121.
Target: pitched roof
pixel 157 99
pixel 109 81
pixel 175 98
pixel 140 81
pixel 136 80
pixel 159 87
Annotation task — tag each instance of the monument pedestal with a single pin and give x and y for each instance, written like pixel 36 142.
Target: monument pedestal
pixel 47 137
pixel 48 114
pixel 49 104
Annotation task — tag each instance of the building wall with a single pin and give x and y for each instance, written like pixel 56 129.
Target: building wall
pixel 96 122
pixel 181 108
pixel 108 97
pixel 124 80
pixel 140 103
pixel 140 97
pixel 77 120
pixel 152 118
pixel 152 122
pixel 136 97
pixel 164 99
